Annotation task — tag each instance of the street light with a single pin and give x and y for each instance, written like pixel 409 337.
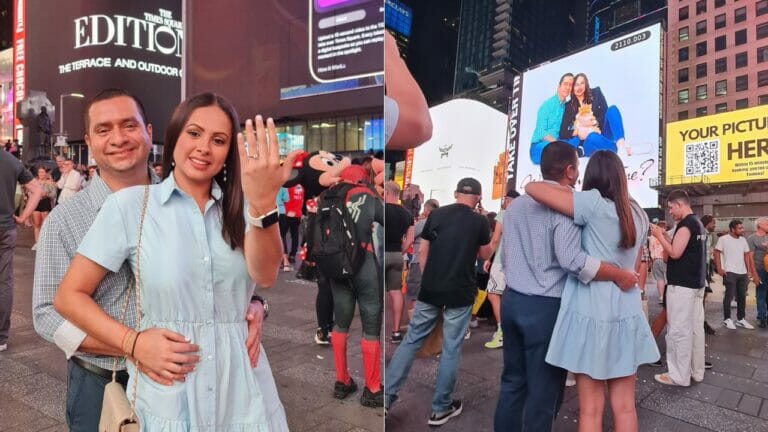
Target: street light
pixel 61 109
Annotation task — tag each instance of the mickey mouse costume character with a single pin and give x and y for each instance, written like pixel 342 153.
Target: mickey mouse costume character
pixel 316 172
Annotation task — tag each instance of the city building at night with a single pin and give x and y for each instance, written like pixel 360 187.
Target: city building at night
pixel 717 63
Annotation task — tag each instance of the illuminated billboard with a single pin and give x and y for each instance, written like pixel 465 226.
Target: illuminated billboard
pixel 82 47
pixel 612 101
pixel 288 59
pixel 467 141
pixel 722 148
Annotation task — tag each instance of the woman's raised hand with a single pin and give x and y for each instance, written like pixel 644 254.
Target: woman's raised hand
pixel 262 175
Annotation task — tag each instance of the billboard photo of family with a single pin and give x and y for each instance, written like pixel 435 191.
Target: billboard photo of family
pixel 604 98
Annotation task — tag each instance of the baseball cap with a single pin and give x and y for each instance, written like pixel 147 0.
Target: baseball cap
pixel 469 186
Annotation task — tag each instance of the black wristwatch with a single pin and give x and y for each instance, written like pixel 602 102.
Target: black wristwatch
pixel 264 304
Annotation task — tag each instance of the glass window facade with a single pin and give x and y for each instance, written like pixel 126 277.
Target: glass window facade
pixel 360 133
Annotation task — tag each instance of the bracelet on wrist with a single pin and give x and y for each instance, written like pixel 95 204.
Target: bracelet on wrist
pixel 125 338
pixel 133 348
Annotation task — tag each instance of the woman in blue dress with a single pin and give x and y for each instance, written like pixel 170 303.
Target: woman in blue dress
pixel 601 334
pixel 198 260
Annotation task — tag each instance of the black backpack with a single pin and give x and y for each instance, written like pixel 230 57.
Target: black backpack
pixel 337 251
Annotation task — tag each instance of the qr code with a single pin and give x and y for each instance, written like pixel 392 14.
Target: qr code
pixel 702 158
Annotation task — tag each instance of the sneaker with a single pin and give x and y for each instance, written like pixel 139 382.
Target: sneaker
pixel 473 323
pixel 664 379
pixel 3 347
pixel 439 419
pixel 467 334
pixel 341 390
pixel 744 323
pixel 322 338
pixel 707 365
pixel 287 268
pixel 729 324
pixel 497 341
pixel 763 324
pixel 708 329
pixel 657 363
pixel 372 400
pixel 397 337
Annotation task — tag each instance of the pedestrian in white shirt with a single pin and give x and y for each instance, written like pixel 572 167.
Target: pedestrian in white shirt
pixel 733 264
pixel 70 181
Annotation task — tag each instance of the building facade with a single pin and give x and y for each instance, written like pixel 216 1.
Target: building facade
pixel 717 59
pixel 717 62
pixel 498 38
pixel 607 19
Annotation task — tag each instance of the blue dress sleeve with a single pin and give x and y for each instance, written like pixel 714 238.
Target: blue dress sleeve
pixel 585 204
pixel 106 242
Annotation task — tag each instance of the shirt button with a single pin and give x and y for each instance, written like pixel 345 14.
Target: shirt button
pixel 210 357
pixel 209 322
pixel 205 259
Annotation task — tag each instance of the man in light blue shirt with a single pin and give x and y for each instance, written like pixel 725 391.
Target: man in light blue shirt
pixel 549 117
pixel 540 249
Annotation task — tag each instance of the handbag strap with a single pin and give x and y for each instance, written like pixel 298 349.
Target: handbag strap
pixel 136 287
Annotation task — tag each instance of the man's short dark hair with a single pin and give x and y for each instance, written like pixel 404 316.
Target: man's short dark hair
pixel 734 223
pixel 707 219
pixel 112 93
pixel 555 158
pixel 568 74
pixel 680 196
pixel 432 204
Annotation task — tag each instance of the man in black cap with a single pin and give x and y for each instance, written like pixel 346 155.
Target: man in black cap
pixel 452 238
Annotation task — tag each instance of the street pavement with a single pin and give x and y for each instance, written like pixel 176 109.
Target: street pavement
pixel 732 398
pixel 33 372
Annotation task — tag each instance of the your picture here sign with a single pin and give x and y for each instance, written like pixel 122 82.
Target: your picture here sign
pixel 722 148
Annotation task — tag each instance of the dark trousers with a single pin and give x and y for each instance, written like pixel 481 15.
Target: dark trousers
pixel 365 291
pixel 735 284
pixel 290 225
pixel 7 245
pixel 85 393
pixel 531 390
pixel 324 304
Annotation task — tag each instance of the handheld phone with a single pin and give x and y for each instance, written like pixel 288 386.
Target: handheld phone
pixel 346 39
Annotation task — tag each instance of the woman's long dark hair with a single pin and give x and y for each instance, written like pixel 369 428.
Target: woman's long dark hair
pixel 587 89
pixel 605 172
pixel 233 223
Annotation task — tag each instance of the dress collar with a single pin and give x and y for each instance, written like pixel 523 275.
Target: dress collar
pixel 168 186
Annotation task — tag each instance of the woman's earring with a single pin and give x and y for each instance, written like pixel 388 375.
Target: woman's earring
pixel 173 164
pixel 225 173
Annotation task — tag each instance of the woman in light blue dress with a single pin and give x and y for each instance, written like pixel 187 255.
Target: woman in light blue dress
pixel 601 333
pixel 198 263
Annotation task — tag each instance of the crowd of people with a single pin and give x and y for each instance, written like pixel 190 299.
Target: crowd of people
pixel 569 272
pixel 561 273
